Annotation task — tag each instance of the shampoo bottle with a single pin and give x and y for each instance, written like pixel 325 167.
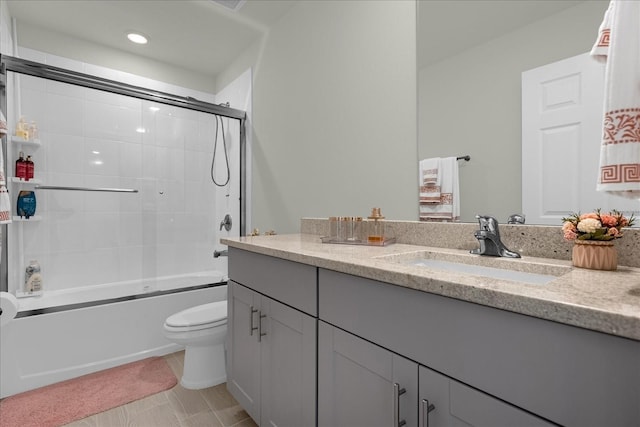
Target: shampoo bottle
pixel 21 167
pixel 33 278
pixel 22 129
pixel 30 168
pixel 33 131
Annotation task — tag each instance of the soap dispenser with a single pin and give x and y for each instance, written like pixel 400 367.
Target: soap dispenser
pixel 376 227
pixel 30 168
pixel 21 167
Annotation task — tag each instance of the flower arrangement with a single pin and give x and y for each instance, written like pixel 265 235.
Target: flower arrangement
pixel 595 225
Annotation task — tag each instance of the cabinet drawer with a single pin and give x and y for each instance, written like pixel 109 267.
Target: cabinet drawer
pixel 289 282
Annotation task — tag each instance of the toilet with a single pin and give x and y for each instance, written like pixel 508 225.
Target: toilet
pixel 202 331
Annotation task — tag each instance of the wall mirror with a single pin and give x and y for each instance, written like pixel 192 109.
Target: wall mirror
pixel 471 55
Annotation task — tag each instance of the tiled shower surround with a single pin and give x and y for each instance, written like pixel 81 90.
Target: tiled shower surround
pixel 92 138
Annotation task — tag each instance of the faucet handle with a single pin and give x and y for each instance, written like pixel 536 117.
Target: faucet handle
pixel 516 219
pixel 487 223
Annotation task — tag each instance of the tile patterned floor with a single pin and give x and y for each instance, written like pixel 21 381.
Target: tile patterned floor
pixel 177 407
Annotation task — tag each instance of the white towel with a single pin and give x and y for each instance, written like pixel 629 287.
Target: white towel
pixel 5 201
pixel 429 180
pixel 448 208
pixel 619 44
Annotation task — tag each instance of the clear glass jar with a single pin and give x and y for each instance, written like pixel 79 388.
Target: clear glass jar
pixel 344 228
pixel 358 229
pixel 333 227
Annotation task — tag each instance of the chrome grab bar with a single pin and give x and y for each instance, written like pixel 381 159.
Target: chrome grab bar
pixel 110 190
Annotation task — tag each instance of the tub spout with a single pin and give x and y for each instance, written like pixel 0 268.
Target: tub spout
pixel 217 254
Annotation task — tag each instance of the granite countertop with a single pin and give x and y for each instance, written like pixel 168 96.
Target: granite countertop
pixel 604 301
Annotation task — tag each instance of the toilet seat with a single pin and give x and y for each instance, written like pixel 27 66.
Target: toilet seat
pixel 200 317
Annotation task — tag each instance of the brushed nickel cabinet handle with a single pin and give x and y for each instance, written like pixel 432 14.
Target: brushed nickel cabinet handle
pixel 397 392
pixel 426 408
pixel 260 333
pixel 251 327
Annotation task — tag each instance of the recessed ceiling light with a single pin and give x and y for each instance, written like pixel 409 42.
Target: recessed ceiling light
pixel 137 38
pixel 234 5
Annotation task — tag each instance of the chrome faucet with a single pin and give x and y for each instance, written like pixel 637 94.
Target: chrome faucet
pixel 489 238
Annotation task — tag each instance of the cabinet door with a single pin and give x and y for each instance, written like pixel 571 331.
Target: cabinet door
pixel 361 384
pixel 243 348
pixel 445 402
pixel 288 390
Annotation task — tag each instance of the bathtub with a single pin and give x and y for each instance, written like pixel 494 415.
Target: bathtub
pixel 65 334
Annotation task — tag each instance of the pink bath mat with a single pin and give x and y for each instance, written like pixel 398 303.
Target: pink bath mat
pixel 67 401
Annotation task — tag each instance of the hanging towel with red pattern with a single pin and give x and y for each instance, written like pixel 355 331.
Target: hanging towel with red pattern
pixel 618 45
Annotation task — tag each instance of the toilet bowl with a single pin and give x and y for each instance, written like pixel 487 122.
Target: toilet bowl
pixel 202 331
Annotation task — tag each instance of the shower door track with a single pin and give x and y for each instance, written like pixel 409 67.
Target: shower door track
pixel 36 69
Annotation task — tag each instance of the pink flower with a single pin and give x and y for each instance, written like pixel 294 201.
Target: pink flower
pixel 595 225
pixel 609 220
pixel 591 215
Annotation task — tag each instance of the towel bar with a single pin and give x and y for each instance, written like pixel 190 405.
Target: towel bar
pixel 110 190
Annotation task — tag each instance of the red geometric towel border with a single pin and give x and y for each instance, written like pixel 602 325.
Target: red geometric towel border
pixel 603 41
pixel 615 174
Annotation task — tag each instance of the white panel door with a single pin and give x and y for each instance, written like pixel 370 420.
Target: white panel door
pixel 562 106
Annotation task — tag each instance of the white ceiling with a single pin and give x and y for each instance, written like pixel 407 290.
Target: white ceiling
pixel 204 37
pixel 198 35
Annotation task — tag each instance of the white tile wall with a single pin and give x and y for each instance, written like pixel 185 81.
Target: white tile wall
pixel 97 139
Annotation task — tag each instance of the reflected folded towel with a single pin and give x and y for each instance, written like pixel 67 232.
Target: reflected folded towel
pixel 5 206
pixel 447 209
pixel 5 201
pixel 429 180
pixel 429 171
pixel 619 44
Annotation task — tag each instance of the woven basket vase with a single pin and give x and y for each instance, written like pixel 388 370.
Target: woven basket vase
pixel 595 254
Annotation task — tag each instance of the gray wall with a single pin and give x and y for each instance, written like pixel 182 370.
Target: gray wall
pixel 335 114
pixel 471 104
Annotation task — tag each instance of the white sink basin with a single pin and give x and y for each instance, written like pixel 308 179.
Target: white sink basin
pixel 518 270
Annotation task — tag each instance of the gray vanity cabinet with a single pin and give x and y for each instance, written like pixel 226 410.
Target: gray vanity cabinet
pixel 271 346
pixel 361 384
pixel 505 364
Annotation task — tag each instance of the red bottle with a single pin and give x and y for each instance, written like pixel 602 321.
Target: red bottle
pixel 30 168
pixel 21 167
